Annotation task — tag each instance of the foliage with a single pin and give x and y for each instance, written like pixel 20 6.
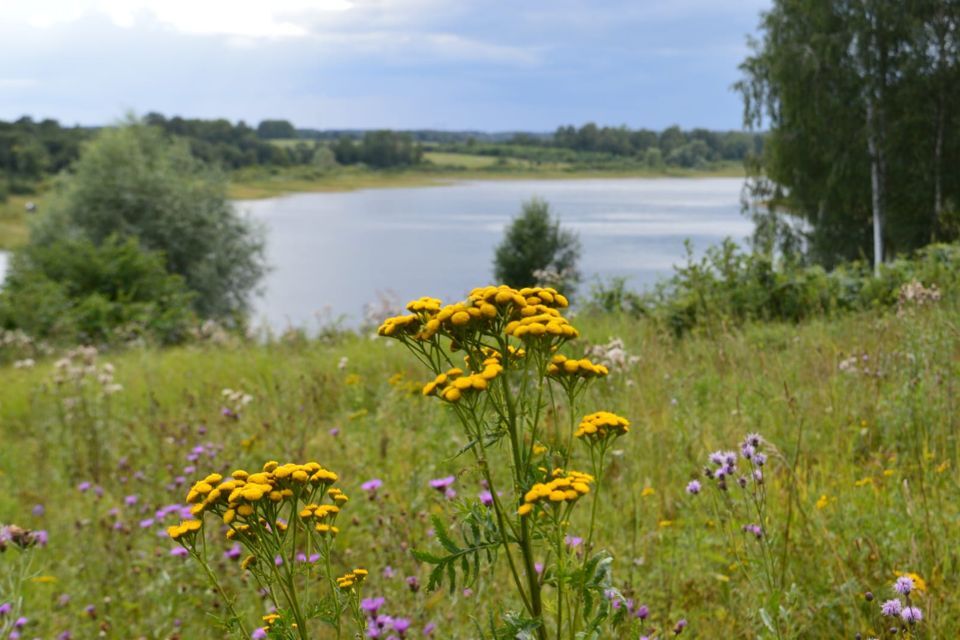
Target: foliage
pixel 535 242
pixel 728 286
pixel 380 149
pixel 232 146
pixel 134 182
pixel 826 80
pixel 72 291
pixel 276 129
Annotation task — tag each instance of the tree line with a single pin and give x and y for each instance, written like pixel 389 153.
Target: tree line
pixel 861 99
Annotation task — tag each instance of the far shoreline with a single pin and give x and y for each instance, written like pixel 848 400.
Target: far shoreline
pixel 259 187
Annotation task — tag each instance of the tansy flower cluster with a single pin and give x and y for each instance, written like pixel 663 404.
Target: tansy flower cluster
pixel 527 312
pixel 268 621
pixel 601 425
pixel 351 579
pixel 453 384
pixel 323 515
pixel 565 487
pixel 238 498
pixel 563 367
pixel 185 529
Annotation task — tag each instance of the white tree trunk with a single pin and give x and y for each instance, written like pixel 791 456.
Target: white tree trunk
pixel 876 185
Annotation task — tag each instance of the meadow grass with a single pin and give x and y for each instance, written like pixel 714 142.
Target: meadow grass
pixel 862 479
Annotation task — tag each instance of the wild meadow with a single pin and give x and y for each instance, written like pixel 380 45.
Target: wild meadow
pixel 776 480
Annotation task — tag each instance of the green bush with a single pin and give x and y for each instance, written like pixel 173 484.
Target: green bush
pixel 73 291
pixel 134 182
pixel 728 286
pixel 536 250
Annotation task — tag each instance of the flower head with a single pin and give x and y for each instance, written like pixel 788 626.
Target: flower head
pixel 903 585
pixel 891 607
pixel 911 615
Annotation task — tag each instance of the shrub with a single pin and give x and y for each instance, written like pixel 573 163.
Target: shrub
pixel 535 242
pixel 729 286
pixel 75 291
pixel 134 182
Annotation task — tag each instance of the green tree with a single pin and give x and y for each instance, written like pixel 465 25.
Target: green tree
pixel 861 101
pixel 275 130
pixel 535 246
pixel 135 182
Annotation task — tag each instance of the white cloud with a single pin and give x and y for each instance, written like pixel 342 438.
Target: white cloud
pixel 17 83
pixel 245 18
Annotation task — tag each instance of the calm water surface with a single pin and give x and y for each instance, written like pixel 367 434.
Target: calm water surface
pixel 334 253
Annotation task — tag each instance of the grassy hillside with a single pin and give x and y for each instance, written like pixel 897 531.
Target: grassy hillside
pixel 860 415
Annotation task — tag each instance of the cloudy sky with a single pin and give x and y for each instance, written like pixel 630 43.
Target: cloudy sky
pixel 448 64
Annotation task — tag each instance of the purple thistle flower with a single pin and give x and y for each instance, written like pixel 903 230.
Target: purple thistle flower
pixel 146 523
pixel 130 500
pixel 486 498
pixel 891 608
pixel 903 585
pixel 911 615
pixel 388 572
pixel 41 537
pixel 83 487
pixel 335 431
pixel 400 625
pixel 442 484
pixel 572 541
pixel 371 605
pixel 39 510
pixel 450 493
pixel 414 583
pixel 755 529
pixel 179 552
pixel 233 552
pixel 467 592
pixel 429 628
pixel 20 622
pixel 693 487
pixel 371 486
pixel 65 635
pixel 759 459
pixel 680 626
pixel 278 560
pixel 643 611
pixel 538 567
pixel 259 633
pixel 5 609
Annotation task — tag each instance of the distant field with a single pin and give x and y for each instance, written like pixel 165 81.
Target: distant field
pixel 289 142
pixel 446 167
pixel 13 220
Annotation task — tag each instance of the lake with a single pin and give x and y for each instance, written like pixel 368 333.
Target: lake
pixel 334 253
